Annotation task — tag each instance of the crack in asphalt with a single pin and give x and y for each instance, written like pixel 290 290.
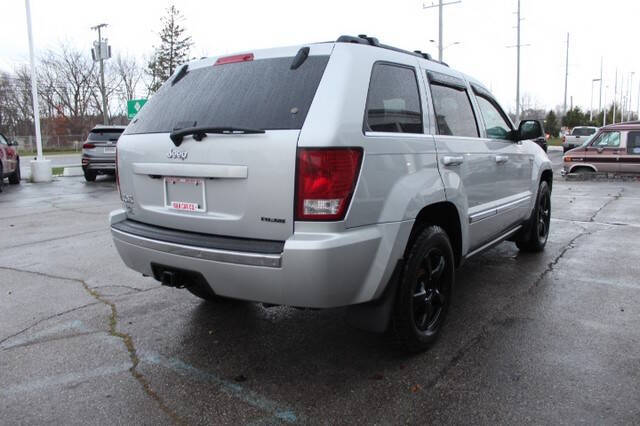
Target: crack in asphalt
pixel 113 331
pixel 35 324
pixel 615 198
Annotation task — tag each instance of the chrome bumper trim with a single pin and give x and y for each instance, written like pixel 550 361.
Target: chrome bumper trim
pixel 240 258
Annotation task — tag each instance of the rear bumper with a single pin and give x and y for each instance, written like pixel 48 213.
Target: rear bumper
pixel 319 270
pixel 98 163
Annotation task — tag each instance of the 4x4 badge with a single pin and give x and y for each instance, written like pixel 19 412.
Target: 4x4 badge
pixel 175 154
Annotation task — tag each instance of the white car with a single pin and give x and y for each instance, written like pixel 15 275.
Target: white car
pixel 577 137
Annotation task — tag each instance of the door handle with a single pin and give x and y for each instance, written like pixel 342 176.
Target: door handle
pixel 501 159
pixel 452 161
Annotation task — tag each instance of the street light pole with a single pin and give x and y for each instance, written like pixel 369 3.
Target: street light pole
pixel 591 108
pixel 518 70
pixel 621 96
pixel 604 111
pixel 566 76
pixel 630 91
pixel 34 83
pixel 600 101
pixel 40 168
pixel 440 6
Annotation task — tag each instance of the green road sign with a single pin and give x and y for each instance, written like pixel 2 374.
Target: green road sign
pixel 133 106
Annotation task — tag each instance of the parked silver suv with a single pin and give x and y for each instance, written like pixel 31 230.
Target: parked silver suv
pixel 99 151
pixel 335 174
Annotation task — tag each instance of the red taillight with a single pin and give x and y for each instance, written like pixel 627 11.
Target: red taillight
pixel 88 146
pixel 245 57
pixel 325 181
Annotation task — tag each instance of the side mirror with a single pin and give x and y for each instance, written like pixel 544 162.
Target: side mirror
pixel 13 143
pixel 529 129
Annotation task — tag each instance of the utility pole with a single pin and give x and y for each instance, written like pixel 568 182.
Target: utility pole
pixel 518 45
pixel 440 6
pixel 615 93
pixel 566 76
pixel 102 53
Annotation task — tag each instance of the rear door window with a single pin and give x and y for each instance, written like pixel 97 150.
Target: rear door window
pixel 454 114
pixel 393 102
pixel 260 94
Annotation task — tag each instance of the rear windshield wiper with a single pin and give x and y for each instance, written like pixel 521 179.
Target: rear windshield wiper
pixel 201 132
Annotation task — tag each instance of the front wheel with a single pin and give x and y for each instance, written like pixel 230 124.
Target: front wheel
pixel 536 233
pixel 425 290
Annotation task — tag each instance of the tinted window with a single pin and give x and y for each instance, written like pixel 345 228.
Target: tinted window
pixel 582 131
pixel 454 115
pixel 393 102
pixel 98 135
pixel 607 140
pixel 263 94
pixel 3 141
pixel 633 143
pixel 497 125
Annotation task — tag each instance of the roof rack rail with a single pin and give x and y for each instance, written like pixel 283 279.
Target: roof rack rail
pixel 423 54
pixel 372 41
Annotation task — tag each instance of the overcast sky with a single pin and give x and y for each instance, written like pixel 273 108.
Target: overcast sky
pixel 484 29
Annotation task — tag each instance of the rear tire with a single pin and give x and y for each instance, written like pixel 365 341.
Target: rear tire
pixel 14 178
pixel 424 291
pixel 536 234
pixel 90 176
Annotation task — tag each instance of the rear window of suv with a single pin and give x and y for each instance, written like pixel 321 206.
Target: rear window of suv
pixel 262 94
pixel 582 131
pixel 103 135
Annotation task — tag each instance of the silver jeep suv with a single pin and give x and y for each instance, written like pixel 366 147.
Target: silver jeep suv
pixel 346 173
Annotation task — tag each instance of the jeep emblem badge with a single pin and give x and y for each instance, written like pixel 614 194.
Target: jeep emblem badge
pixel 175 154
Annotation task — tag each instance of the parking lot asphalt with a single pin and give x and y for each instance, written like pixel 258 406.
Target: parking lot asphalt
pixel 531 338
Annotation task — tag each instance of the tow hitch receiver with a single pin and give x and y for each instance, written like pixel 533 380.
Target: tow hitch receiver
pixel 178 278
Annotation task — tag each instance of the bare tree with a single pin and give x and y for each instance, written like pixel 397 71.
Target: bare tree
pixel 131 74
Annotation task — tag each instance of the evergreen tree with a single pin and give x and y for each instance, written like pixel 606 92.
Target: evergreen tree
pixel 173 50
pixel 551 124
pixel 575 117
